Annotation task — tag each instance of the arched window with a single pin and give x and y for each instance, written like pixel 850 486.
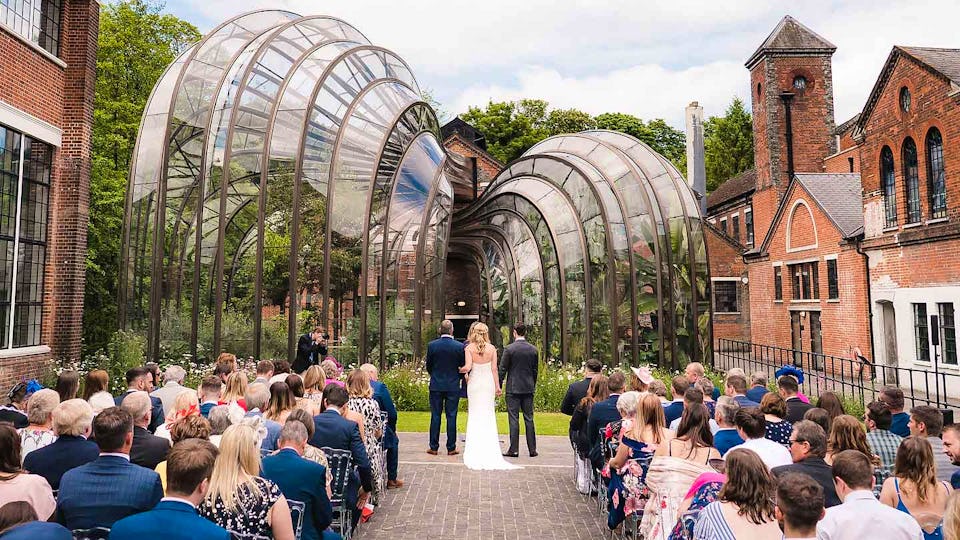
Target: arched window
pixel 912 180
pixel 889 186
pixel 936 182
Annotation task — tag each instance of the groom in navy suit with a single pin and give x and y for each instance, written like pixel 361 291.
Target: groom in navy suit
pixel 445 357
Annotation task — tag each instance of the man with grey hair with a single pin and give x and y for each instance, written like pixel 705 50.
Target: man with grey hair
pixel 148 450
pixel 256 398
pixel 758 386
pixel 300 480
pixel 172 385
pixel 808 446
pixel 390 440
pixel 71 423
pixel 726 436
pixel 219 422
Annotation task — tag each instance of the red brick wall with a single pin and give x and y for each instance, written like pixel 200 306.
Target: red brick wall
pixel 13 370
pixel 31 82
pixel 461 283
pixel 488 167
pixel 803 231
pixel 726 261
pixel 840 162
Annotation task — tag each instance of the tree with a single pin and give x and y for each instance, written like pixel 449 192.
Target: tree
pixel 510 127
pixel 561 121
pixel 728 144
pixel 136 44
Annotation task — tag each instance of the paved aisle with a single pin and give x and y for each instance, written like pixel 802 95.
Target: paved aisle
pixel 442 499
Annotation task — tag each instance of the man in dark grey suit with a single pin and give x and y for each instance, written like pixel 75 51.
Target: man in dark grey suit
pixel 519 368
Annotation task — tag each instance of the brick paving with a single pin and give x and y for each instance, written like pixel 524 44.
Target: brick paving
pixel 442 499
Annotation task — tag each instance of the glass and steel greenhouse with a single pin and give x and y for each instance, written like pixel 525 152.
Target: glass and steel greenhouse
pixel 288 174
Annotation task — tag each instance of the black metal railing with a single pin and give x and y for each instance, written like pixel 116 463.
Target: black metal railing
pixel 851 378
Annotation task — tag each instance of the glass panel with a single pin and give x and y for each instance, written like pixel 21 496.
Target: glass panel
pixel 912 180
pixel 920 330
pixel 936 181
pixel 889 186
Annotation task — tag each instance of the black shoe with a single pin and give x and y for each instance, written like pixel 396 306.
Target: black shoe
pixel 534 454
pixel 511 454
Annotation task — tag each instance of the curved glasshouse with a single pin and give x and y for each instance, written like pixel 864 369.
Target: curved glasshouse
pixel 289 174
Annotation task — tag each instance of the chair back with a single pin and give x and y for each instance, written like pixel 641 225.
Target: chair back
pixel 246 536
pixel 297 509
pixel 341 462
pixel 95 533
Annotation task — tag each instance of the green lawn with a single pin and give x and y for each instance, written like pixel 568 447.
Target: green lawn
pixel 546 423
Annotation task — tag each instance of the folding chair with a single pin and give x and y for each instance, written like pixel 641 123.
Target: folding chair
pixel 341 466
pixel 297 509
pixel 96 533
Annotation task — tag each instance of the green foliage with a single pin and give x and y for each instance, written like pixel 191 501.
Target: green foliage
pixel 728 144
pixel 136 43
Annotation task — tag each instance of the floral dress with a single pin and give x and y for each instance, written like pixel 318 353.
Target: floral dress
pixel 372 422
pixel 707 493
pixel 628 490
pixel 32 439
pixel 250 516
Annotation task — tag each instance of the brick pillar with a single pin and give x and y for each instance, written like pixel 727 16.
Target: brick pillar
pixel 70 196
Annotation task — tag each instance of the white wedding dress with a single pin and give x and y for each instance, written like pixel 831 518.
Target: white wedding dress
pixel 482 450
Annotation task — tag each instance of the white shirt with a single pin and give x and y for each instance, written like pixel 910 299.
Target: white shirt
pixel 116 454
pixel 861 516
pixel 714 427
pixel 179 500
pixel 772 454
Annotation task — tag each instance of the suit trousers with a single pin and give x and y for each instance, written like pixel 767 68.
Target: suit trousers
pixel 516 403
pixel 448 403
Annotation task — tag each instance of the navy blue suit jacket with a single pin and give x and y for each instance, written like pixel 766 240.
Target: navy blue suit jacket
pixel 335 431
pixel 382 395
pixel 156 414
pixel 756 393
pixel 445 357
pixel 38 530
pixel 104 491
pixel 303 481
pixel 172 520
pixel 67 452
pixel 744 401
pixel 672 411
pixel 725 439
pixel 601 414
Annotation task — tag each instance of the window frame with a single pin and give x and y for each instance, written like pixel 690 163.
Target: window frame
pixel 778 283
pixel 735 226
pixel 748 225
pixel 41 25
pixel 936 174
pixel 888 184
pixel 717 286
pixel 833 280
pixel 804 277
pixel 921 331
pixel 911 180
pixel 723 226
pixel 948 333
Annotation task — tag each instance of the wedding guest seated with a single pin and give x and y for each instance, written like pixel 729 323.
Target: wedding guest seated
pixel 637 445
pixel 745 508
pixel 264 372
pixel 847 433
pixel 219 422
pixel 13 411
pixel 883 442
pixel 673 410
pixel 210 390
pixel 893 397
pixel 148 450
pixel 235 390
pixel 659 389
pixel 751 426
pixel 361 401
pixel 808 446
pixel 189 466
pixel 39 431
pixel 774 410
pixel 788 388
pixel 695 396
pixel 313 379
pixel 925 421
pixel 390 440
pixel 758 386
pixel 109 488
pixel 301 480
pixel 577 390
pixel 184 405
pixel 601 414
pixel 226 363
pixel 257 398
pixel 18 485
pixel 332 371
pixel 138 379
pixel 861 515
pixel 736 387
pixel 72 423
pixel 188 427
pixel 100 402
pixel 705 385
pixel 598 391
pixel 800 503
pixel 172 386
pixel 694 372
pixel 726 436
pixel 334 431
pixel 281 368
pixel 819 417
pixel 311 452
pixel 19 521
pixel 914 490
pixel 282 401
pixel 693 441
pixel 830 402
pixel 704 490
pixel 239 500
pixel 295 384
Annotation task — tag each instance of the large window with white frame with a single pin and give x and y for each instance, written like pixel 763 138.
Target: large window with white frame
pixel 35 20
pixel 25 169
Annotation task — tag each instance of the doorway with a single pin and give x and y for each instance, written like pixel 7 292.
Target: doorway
pixel 806 336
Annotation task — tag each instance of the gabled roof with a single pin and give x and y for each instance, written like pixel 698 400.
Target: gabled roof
pixel 740 185
pixel 844 127
pixel 467 132
pixel 791 37
pixel 734 243
pixel 839 196
pixel 944 63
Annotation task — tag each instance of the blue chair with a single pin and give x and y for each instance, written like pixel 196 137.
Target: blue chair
pixel 341 466
pixel 95 533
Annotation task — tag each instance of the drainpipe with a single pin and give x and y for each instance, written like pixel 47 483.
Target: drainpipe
pixel 866 268
pixel 787 98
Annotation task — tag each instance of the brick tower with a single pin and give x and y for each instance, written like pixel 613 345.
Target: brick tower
pixel 791 85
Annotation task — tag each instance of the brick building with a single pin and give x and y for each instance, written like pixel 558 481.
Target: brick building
pixel 48 57
pixel 852 224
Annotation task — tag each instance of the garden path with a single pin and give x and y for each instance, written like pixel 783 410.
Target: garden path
pixel 442 499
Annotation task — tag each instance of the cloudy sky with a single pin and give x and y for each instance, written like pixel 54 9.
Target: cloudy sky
pixel 647 58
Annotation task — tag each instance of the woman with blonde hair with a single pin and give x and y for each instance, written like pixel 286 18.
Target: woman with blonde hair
pixel 97 380
pixel 482 451
pixel 362 402
pixel 332 372
pixel 281 403
pixel 240 501
pixel 847 433
pixel 913 489
pixel 951 517
pixel 313 383
pixel 39 433
pixel 235 389
pixel 638 441
pixel 184 405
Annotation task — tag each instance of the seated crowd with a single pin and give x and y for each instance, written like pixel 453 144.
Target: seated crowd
pixel 286 456
pixel 756 463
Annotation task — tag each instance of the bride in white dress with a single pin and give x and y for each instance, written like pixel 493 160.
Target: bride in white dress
pixel 482 451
